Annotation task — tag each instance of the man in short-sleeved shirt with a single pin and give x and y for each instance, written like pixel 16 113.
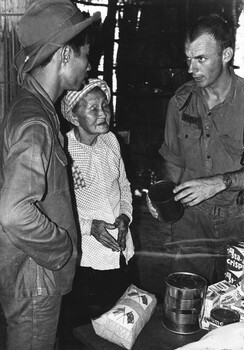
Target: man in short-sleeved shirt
pixel 202 152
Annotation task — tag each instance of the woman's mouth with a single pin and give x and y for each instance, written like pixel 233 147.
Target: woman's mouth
pixel 102 123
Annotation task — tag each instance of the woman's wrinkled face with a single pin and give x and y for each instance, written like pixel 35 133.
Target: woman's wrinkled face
pixel 93 113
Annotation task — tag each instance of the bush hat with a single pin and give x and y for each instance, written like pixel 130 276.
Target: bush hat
pixel 71 98
pixel 45 27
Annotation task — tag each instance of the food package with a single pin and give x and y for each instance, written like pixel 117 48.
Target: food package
pixel 235 263
pixel 123 323
pixel 225 290
pixel 211 301
pixel 219 294
pixel 238 303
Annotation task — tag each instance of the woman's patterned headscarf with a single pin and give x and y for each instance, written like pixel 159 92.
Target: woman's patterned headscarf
pixel 73 97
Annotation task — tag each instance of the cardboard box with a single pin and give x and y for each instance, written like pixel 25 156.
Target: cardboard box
pixel 237 304
pixel 235 263
pixel 220 293
pixel 224 289
pixel 212 299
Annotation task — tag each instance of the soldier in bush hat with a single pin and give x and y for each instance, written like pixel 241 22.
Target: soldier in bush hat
pixel 37 226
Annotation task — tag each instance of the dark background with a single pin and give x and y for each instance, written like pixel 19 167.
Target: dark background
pixel 149 65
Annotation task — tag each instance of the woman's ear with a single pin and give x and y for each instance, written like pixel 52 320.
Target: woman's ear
pixel 74 120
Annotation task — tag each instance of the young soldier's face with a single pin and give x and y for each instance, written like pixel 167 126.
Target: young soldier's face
pixel 205 60
pixel 77 68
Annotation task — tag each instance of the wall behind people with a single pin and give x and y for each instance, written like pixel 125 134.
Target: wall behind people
pixel 147 53
pixel 151 66
pixel 10 14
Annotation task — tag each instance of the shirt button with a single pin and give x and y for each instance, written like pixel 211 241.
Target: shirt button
pixel 186 136
pixel 208 135
pixel 208 156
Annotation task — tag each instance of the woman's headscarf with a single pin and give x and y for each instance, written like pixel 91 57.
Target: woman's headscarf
pixel 73 97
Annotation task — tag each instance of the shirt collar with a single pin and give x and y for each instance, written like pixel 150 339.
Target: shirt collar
pixel 231 93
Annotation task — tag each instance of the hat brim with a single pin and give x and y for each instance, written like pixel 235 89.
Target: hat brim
pixel 50 47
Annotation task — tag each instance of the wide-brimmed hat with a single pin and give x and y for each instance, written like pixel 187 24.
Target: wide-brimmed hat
pixel 46 26
pixel 71 98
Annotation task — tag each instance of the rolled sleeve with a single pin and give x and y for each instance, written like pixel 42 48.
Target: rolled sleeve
pixel 171 148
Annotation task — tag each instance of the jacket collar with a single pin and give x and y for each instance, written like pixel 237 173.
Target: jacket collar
pixel 32 85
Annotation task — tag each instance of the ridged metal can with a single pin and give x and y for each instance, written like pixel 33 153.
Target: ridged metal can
pixel 183 299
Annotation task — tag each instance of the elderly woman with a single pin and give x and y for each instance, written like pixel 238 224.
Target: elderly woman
pixel 102 194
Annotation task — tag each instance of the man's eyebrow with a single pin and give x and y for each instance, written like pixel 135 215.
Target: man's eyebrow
pixel 196 57
pixel 200 56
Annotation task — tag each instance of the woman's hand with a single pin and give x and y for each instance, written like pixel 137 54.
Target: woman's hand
pixel 122 223
pixel 99 231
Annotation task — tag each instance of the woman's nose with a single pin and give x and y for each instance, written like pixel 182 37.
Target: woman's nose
pixel 102 113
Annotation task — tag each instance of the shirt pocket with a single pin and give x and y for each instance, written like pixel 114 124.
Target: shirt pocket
pixel 232 146
pixel 190 136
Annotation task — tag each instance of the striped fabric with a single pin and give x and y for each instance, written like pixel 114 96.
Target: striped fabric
pixel 73 97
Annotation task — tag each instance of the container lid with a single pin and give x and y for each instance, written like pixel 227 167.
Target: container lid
pixel 186 280
pixel 225 315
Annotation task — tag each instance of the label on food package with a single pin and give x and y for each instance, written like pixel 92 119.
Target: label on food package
pixel 235 263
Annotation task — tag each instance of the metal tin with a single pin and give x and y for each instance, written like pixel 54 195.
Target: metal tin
pixel 162 197
pixel 183 300
pixel 221 316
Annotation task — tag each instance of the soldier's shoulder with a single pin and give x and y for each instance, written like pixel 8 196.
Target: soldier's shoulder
pixel 183 92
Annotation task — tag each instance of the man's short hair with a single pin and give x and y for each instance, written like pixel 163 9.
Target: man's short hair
pixel 81 39
pixel 217 27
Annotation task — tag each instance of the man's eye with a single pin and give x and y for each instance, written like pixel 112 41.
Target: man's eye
pixel 201 59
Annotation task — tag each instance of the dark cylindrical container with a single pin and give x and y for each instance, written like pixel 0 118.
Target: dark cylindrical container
pixel 184 296
pixel 221 316
pixel 162 198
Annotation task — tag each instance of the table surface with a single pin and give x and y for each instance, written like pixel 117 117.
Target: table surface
pixel 154 336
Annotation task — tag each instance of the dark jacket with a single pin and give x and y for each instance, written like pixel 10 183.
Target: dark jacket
pixel 37 226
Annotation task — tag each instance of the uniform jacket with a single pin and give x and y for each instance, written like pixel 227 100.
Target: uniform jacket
pixel 37 227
